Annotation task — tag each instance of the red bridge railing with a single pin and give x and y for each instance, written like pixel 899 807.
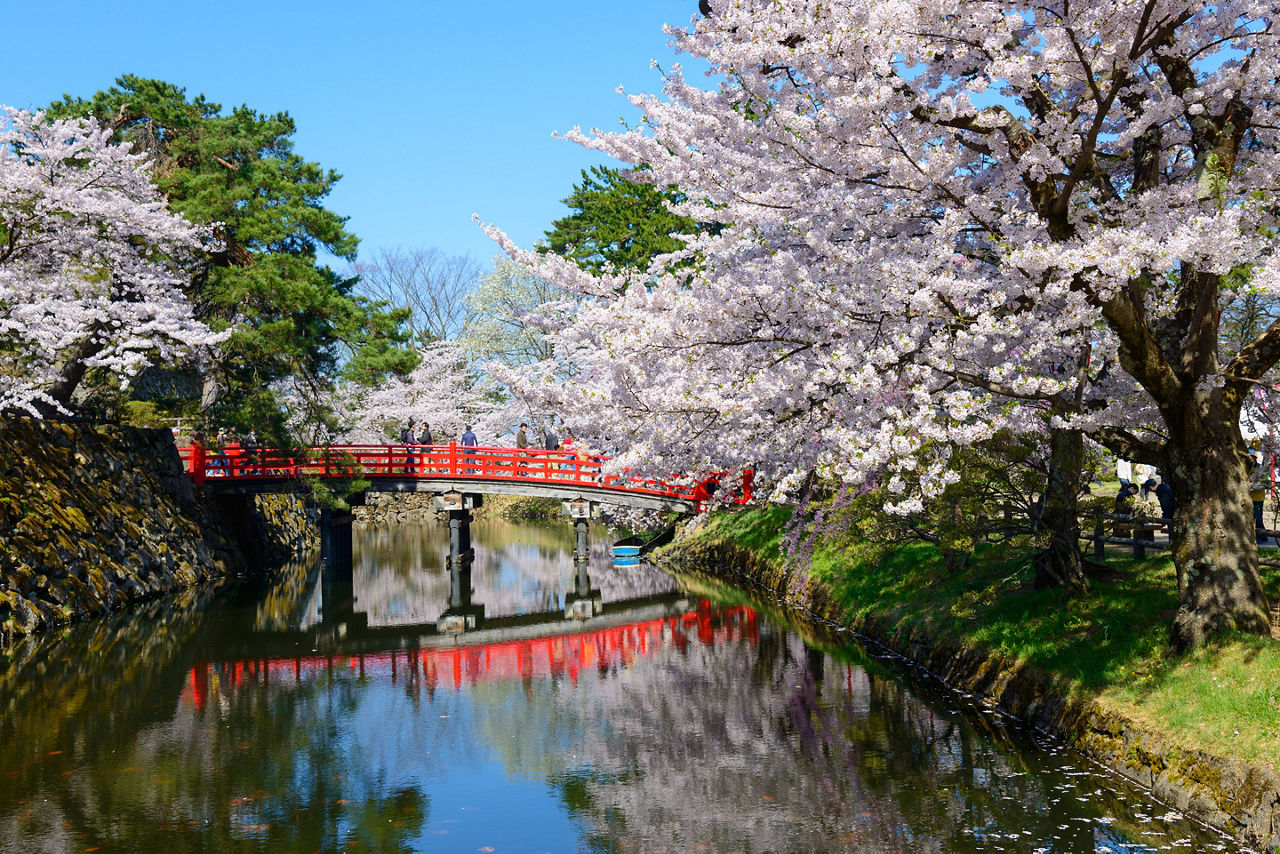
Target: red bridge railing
pixel 439 462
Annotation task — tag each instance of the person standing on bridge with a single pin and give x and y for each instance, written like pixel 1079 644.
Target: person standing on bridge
pixel 250 445
pixel 407 439
pixel 220 453
pixel 424 438
pixel 570 453
pixel 587 470
pixel 522 446
pixel 469 441
pixel 551 443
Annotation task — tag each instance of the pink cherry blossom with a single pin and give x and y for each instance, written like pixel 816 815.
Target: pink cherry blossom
pixel 1099 165
pixel 92 265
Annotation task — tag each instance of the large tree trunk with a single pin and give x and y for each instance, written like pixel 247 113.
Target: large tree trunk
pixel 74 368
pixel 1214 541
pixel 1058 564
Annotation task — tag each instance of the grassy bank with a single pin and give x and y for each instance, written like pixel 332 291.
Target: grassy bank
pixel 1109 644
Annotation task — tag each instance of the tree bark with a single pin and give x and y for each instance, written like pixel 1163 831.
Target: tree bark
pixel 1213 538
pixel 74 368
pixel 1058 564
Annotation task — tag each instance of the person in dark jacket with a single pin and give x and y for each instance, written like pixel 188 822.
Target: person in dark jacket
pixel 424 438
pixel 469 441
pixel 522 446
pixel 407 438
pixel 1124 498
pixel 1164 494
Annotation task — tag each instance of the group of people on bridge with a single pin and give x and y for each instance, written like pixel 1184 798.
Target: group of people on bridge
pixel 414 437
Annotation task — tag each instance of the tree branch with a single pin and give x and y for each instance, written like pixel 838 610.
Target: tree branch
pixel 1256 358
pixel 1126 445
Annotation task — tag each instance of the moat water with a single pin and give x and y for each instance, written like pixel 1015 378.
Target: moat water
pixel 325 712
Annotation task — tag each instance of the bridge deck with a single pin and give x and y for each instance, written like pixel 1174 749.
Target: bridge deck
pixel 448 468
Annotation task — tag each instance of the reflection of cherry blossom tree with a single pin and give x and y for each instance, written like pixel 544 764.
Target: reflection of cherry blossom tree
pixel 401 577
pixel 92 264
pixel 633 519
pixel 774 746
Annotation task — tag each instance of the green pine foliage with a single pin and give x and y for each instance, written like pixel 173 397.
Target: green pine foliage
pixel 619 222
pixel 297 321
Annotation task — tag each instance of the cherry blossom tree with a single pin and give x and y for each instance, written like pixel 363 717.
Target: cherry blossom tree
pixel 497 328
pixel 92 264
pixel 945 220
pixel 443 391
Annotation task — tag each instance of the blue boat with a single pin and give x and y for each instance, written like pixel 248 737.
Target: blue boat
pixel 628 548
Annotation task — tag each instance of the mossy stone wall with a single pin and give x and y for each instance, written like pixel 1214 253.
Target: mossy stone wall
pixel 92 518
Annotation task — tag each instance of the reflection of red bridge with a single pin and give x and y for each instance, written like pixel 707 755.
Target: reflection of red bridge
pixel 448 468
pixel 435 668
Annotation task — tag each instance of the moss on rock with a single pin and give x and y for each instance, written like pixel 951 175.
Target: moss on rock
pixel 93 518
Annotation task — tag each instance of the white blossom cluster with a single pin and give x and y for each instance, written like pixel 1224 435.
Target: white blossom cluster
pixel 442 392
pixel 928 213
pixel 92 265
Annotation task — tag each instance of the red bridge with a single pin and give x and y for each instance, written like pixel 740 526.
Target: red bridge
pixel 454 468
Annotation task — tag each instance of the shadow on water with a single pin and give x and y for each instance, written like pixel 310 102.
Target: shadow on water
pixel 398 709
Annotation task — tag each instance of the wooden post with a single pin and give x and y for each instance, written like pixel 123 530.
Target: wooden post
pixel 1099 540
pixel 1139 544
pixel 197 462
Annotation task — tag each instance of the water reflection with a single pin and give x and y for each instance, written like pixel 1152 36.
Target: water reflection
pixel 400 571
pixel 321 713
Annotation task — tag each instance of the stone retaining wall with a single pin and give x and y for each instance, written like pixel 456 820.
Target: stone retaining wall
pixel 385 508
pixel 92 518
pixel 1241 799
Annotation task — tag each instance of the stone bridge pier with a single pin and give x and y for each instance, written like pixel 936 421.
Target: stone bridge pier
pixel 584 602
pixel 459 506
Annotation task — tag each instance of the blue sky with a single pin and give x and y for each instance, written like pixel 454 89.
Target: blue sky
pixel 430 111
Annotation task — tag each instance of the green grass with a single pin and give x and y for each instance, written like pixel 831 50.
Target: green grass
pixel 1224 698
pixel 759 531
pixel 1110 644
